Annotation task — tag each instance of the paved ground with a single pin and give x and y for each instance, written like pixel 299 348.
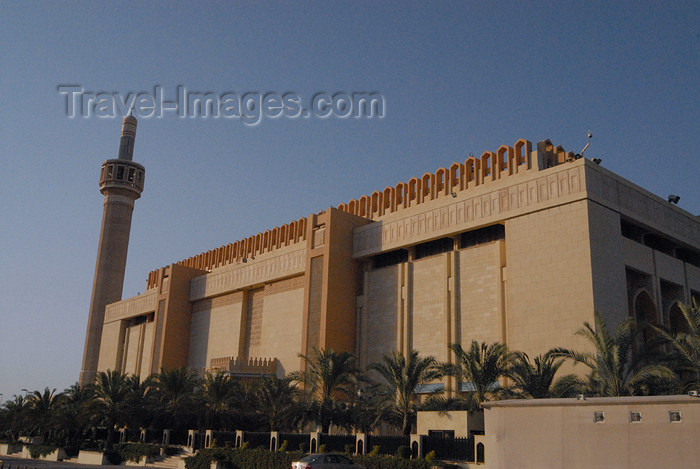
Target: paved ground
pixel 11 462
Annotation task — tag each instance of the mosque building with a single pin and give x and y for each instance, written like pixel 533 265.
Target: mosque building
pixel 520 245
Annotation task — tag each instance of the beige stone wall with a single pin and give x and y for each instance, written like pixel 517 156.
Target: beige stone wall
pixel 214 331
pixel 478 206
pixel 479 294
pixel 282 323
pixel 254 316
pixel 429 319
pixel 382 293
pixel 131 349
pixel 607 264
pixel 561 433
pixel 549 286
pixel 147 353
pixel 461 421
pixel 315 294
pixel 693 275
pixel 266 267
pixel 109 350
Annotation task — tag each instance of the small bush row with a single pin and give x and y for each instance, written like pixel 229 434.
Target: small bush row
pixel 243 458
pixel 38 451
pixel 131 452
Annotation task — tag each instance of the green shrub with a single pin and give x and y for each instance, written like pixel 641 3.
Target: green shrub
pixel 71 451
pixel 403 452
pixel 303 447
pixel 430 456
pixel 170 450
pixel 375 451
pixel 283 446
pixel 134 451
pixel 322 449
pixel 349 448
pixel 38 451
pixel 114 457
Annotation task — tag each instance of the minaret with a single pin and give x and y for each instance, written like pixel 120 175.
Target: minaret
pixel 121 182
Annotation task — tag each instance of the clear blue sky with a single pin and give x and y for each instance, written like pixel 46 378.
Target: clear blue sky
pixel 457 77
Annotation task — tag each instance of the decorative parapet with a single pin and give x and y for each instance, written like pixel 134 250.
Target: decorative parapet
pixel 506 161
pixel 489 204
pixel 247 248
pixel 240 366
pixel 251 273
pixel 131 307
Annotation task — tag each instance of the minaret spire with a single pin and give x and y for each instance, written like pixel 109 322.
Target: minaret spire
pixel 126 144
pixel 121 182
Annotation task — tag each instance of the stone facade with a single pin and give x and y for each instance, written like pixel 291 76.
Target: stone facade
pixel 641 432
pixel 520 246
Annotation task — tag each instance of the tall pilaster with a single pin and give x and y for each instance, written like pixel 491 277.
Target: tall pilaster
pixel 121 182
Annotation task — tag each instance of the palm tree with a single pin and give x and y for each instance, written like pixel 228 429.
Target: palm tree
pixel 141 402
pixel 329 376
pixel 43 409
pixel 175 393
pixel 405 375
pixel 76 413
pixel 536 380
pixel 371 407
pixel 684 347
pixel 219 392
pixel 16 417
pixel 614 369
pixel 276 404
pixel 112 390
pixel 482 365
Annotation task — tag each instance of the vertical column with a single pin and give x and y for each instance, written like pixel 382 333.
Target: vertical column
pixel 400 327
pixel 502 309
pixel 243 329
pixel 447 307
pixel 121 183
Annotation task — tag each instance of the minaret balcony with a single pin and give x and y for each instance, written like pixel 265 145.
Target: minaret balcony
pixel 122 174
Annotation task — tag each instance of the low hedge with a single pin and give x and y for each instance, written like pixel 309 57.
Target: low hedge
pixel 134 451
pixel 263 459
pixel 38 451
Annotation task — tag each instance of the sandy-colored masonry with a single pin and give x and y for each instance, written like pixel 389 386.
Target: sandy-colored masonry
pixel 520 246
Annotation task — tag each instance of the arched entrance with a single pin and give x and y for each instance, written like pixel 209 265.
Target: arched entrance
pixel 645 317
pixel 677 321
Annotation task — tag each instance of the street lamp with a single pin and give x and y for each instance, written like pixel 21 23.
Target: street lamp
pixel 25 392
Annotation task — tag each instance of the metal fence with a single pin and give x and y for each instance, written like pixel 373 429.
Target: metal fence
pixel 198 441
pixel 178 437
pixel 153 436
pixel 388 444
pixel 336 443
pixel 294 440
pixel 458 449
pixel 257 439
pixel 222 438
